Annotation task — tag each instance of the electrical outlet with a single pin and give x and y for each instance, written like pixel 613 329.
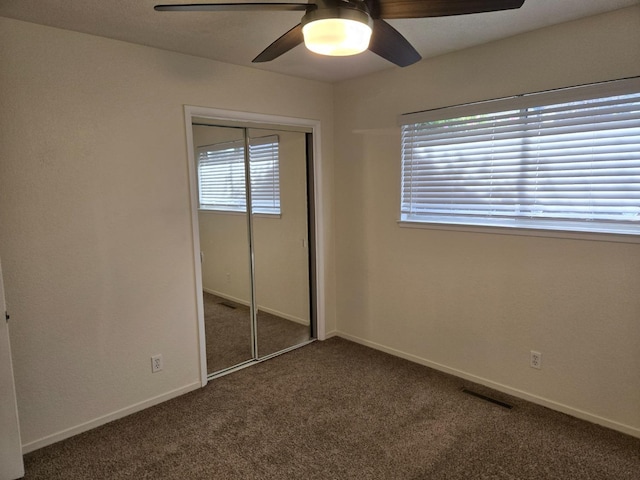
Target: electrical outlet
pixel 156 363
pixel 228 277
pixel 535 361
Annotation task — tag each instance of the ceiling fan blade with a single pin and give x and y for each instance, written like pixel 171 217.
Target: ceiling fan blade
pixel 233 7
pixel 387 42
pixel 439 8
pixel 286 42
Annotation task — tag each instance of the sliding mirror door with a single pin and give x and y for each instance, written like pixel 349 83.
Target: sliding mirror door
pixel 255 260
pixel 279 211
pixel 224 246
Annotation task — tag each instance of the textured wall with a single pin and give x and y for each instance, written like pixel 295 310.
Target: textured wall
pixel 476 303
pixel 96 224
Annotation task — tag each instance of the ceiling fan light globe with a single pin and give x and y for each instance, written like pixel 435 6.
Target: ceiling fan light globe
pixel 336 37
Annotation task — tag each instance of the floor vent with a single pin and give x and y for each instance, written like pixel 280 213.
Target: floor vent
pixel 488 399
pixel 228 305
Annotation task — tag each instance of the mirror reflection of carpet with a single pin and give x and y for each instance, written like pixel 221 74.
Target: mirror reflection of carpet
pixel 232 321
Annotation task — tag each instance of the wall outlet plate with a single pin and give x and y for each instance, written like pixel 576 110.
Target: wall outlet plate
pixel 535 360
pixel 156 363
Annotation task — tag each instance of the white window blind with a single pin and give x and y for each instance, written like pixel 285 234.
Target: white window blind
pixel 221 176
pixel 566 159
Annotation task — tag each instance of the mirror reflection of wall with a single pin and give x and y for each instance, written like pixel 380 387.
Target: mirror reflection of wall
pixel 278 228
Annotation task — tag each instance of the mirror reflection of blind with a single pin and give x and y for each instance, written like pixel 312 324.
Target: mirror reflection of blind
pixel 221 182
pixel 265 174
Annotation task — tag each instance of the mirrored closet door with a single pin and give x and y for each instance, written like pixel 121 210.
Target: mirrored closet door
pixel 253 218
pixel 278 172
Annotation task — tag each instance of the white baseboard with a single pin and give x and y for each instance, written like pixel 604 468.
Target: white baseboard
pixel 272 311
pixel 241 301
pixel 286 316
pixel 574 412
pixel 83 427
pixel 330 334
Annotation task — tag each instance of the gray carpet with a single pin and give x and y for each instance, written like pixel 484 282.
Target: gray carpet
pixel 337 410
pixel 228 333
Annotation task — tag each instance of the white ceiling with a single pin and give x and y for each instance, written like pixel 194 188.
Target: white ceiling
pixel 236 37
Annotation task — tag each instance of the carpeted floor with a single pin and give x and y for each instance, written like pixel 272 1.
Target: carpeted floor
pixel 228 333
pixel 338 410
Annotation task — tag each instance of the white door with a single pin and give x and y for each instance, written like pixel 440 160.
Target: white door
pixel 11 466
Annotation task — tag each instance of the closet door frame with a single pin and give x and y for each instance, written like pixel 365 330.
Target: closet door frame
pixel 257 120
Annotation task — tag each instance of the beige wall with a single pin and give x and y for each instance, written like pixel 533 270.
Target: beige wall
pixel 281 261
pixel 476 303
pixel 95 219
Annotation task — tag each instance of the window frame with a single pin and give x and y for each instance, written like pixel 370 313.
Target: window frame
pixel 519 226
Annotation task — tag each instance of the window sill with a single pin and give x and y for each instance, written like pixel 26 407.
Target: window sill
pixel 526 232
pixel 237 213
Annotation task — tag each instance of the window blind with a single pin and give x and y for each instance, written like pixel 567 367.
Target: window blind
pixel 221 176
pixel 567 159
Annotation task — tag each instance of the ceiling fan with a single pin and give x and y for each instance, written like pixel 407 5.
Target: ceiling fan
pixel 348 27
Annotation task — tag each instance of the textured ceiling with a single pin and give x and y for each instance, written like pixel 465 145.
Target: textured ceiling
pixel 236 37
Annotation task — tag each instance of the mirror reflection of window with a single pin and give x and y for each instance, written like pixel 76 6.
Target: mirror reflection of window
pixel 221 176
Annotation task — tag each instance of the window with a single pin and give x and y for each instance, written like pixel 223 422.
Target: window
pixel 564 160
pixel 221 176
